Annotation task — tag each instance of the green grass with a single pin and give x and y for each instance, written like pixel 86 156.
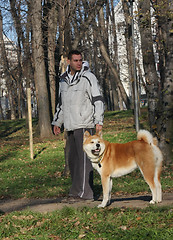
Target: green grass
pixel 43 177
pixel 85 223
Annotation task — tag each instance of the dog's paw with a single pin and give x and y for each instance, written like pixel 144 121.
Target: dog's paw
pixel 152 202
pixel 101 205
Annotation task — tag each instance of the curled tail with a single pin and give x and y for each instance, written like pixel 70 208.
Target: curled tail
pixel 147 137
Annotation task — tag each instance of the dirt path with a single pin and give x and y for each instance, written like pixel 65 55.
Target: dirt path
pixel 49 205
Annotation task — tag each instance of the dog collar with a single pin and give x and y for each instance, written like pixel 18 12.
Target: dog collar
pixel 100 159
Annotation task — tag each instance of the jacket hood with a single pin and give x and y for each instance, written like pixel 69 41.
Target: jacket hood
pixel 77 75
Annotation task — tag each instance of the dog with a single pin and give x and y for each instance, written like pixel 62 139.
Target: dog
pixel 116 159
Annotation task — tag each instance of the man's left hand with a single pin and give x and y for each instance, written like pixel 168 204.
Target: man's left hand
pixel 98 128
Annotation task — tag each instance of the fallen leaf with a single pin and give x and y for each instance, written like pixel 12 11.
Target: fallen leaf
pixel 81 236
pixel 123 228
pixel 77 223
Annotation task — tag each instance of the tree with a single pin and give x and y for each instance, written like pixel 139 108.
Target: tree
pixel 160 89
pixel 40 71
pixel 164 16
pixel 16 14
pixel 10 79
pixel 116 80
pixel 129 44
pixel 151 77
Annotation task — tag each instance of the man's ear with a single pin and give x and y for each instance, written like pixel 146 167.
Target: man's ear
pixel 86 135
pixel 99 133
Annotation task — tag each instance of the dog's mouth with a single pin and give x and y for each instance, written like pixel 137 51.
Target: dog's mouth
pixel 96 151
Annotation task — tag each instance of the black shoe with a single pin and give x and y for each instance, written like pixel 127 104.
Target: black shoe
pixel 89 200
pixel 74 199
pixel 70 199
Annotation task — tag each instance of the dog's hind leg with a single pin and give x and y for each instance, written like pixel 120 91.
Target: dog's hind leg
pixel 158 158
pixel 149 176
pixel 158 184
pixel 106 191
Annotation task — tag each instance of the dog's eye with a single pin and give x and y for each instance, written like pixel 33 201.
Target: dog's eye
pixel 92 142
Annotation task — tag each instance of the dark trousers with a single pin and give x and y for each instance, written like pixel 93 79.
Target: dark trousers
pixel 80 166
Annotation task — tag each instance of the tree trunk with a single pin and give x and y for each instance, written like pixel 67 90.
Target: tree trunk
pixel 114 72
pixel 1 111
pixel 165 110
pixel 16 14
pixel 39 71
pixel 151 77
pixel 105 54
pixel 88 21
pixel 52 30
pixel 8 75
pixel 129 45
pixel 19 81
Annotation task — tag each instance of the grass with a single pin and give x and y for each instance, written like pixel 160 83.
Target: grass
pixel 43 177
pixel 86 223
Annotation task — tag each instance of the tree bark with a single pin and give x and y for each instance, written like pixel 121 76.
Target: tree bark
pixel 88 21
pixel 151 77
pixel 8 74
pixel 165 110
pixel 114 72
pixel 52 30
pixel 129 45
pixel 40 71
pixel 16 14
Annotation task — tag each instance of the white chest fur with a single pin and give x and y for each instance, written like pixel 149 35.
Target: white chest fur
pixel 96 166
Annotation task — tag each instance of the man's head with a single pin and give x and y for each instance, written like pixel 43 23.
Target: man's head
pixel 75 61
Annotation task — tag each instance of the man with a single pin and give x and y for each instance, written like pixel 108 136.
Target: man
pixel 80 108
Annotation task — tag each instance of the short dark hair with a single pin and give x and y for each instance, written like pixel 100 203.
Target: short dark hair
pixel 73 52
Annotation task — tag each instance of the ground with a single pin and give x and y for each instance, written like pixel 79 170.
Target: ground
pixel 49 205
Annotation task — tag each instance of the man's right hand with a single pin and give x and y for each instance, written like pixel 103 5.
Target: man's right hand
pixel 56 130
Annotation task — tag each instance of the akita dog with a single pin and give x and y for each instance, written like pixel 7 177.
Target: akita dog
pixel 115 160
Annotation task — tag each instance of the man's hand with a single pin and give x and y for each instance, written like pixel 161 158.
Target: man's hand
pixel 56 130
pixel 98 128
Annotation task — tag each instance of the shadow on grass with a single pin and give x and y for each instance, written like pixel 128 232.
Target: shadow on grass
pixel 121 114
pixel 9 131
pixel 10 153
pixel 20 204
pixel 8 127
pixel 39 152
pixel 136 198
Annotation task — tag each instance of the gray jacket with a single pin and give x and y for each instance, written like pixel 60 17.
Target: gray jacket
pixel 80 101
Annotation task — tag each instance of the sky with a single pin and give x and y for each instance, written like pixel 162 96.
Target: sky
pixel 8 26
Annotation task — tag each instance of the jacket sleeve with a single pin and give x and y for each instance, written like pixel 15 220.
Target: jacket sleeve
pixel 58 116
pixel 97 100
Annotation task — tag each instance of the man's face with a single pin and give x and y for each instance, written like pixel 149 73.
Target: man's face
pixel 75 63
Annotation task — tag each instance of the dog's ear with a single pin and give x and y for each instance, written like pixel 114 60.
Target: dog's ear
pixel 86 135
pixel 99 133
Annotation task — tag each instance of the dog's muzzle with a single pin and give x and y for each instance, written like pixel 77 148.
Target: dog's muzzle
pixel 97 150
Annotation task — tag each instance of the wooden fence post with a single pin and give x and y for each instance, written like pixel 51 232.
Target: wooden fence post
pixel 30 122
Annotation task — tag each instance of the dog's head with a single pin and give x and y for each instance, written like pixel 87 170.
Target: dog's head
pixel 94 146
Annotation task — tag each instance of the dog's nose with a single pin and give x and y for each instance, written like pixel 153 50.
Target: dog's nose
pixel 97 145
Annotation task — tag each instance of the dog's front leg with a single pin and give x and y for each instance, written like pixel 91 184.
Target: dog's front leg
pixel 106 191
pixel 110 189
